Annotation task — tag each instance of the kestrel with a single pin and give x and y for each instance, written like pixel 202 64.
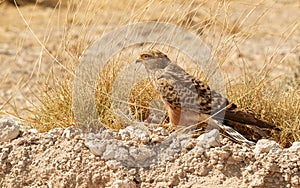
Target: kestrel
pixel 190 101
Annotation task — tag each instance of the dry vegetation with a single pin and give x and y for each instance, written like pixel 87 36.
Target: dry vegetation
pixel 256 85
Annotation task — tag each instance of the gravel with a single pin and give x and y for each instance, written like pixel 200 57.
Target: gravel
pixel 134 157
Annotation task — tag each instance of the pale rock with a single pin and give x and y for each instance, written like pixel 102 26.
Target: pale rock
pixel 106 134
pixel 122 153
pixel 265 146
pixel 220 166
pixel 143 136
pixel 34 131
pixel 141 154
pixel 295 147
pixel 287 177
pixel 3 155
pixel 137 132
pixel 200 150
pixel 249 168
pixel 96 147
pixel 132 171
pixel 9 129
pixel 126 133
pixel 157 139
pixel 56 131
pixel 256 182
pixel 223 154
pixel 71 132
pixel 210 139
pixel 109 153
pixel 113 164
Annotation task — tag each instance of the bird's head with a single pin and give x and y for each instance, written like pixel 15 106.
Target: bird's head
pixel 153 60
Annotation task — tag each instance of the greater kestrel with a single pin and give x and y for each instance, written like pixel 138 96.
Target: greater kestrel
pixel 190 101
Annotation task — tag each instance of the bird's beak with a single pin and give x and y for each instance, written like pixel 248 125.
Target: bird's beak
pixel 138 61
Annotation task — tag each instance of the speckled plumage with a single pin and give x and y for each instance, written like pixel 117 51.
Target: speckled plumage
pixel 190 101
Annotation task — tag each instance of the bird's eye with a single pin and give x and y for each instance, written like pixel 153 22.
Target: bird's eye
pixel 144 56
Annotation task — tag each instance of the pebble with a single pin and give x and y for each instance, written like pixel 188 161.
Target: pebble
pixel 210 139
pixel 9 129
pixel 265 146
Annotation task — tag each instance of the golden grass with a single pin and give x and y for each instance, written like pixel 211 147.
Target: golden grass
pixel 141 96
pixel 217 23
pixel 269 102
pixel 103 95
pixel 54 110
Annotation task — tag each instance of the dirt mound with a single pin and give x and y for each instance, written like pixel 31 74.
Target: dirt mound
pixel 61 158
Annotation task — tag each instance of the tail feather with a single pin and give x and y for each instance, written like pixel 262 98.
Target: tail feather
pixel 251 132
pixel 246 118
pixel 234 134
pixel 232 113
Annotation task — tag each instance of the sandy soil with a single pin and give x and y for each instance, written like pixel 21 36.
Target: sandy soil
pixel 54 160
pixel 61 158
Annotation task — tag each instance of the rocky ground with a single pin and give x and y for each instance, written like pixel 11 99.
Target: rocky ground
pixel 134 156
pixel 140 157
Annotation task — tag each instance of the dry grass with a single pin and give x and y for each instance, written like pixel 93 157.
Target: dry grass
pixel 54 109
pixel 142 94
pixel 271 103
pixel 217 23
pixel 103 95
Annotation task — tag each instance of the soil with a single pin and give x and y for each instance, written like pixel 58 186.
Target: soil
pixel 67 158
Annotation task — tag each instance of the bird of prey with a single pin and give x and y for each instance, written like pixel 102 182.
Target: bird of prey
pixel 190 101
